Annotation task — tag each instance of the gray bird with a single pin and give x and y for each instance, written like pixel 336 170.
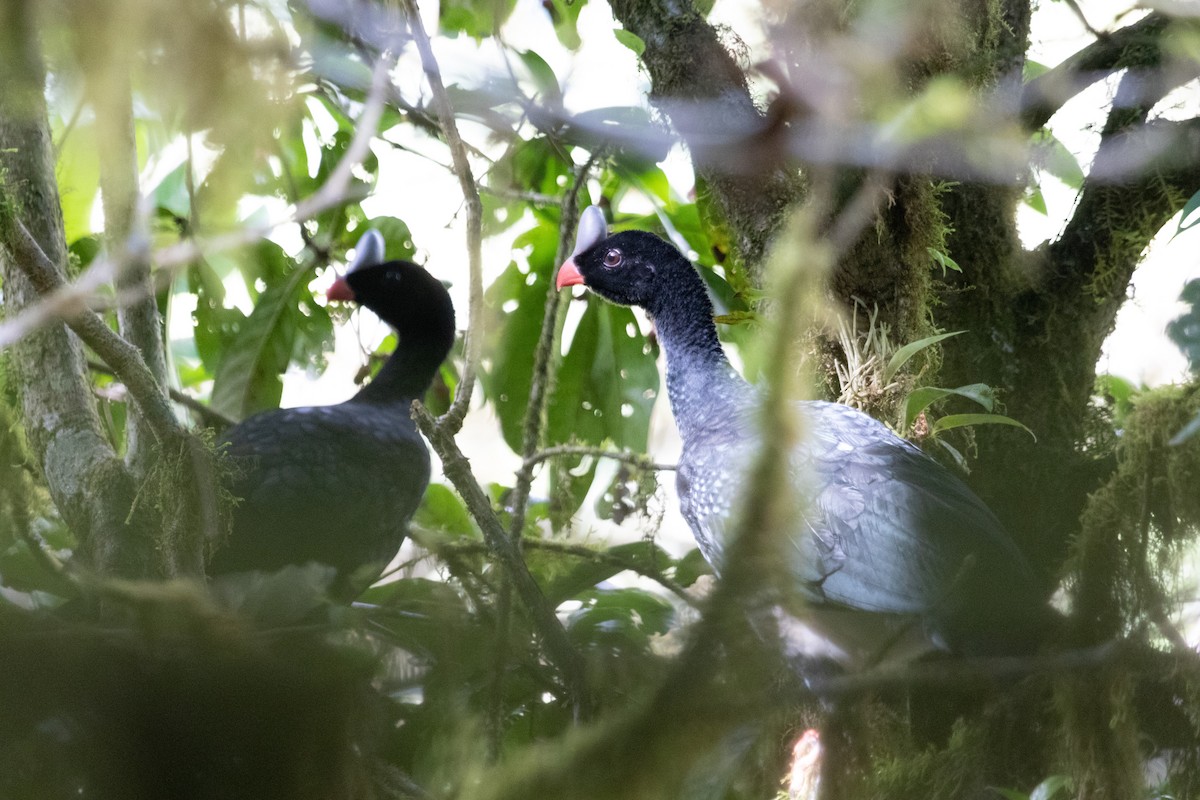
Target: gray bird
pixel 894 554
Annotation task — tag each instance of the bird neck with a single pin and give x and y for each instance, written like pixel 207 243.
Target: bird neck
pixel 410 369
pixel 704 389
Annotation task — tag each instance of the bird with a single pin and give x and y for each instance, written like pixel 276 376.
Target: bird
pixel 893 554
pixel 338 484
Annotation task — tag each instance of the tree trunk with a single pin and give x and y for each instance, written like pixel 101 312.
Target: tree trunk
pixel 88 481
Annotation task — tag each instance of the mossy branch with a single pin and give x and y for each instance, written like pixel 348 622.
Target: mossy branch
pixel 1136 45
pixel 558 647
pixel 545 366
pixel 127 364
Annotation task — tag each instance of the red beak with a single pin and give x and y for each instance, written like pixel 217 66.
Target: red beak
pixel 340 290
pixel 568 275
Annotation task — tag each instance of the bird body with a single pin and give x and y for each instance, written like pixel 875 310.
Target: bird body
pixel 884 528
pixel 338 484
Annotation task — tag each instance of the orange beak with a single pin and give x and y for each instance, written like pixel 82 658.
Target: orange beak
pixel 340 290
pixel 568 275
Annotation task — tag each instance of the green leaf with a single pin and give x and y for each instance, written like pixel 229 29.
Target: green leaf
pixel 952 421
pixel 901 356
pixel 441 510
pixel 565 16
pixel 476 18
pixel 586 573
pixel 1056 159
pixel 630 40
pixel 1185 330
pixel 689 568
pixel 543 78
pixel 959 459
pixel 943 260
pixel 171 193
pixel 1189 208
pixel 922 397
pixel 620 616
pixel 248 377
pixel 1036 200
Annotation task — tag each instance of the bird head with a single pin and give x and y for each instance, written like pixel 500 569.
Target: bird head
pixel 631 268
pixel 403 294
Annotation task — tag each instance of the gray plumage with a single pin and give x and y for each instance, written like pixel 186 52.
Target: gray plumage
pixel 885 529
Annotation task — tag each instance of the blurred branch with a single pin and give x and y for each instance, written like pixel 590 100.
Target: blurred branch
pixel 453 418
pixel 961 672
pixel 535 198
pixel 121 356
pixel 688 65
pixel 138 321
pixel 559 649
pixel 1132 46
pixel 69 298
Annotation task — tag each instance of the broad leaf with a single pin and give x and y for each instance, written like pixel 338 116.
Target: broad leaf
pixel 901 356
pixel 921 398
pixel 248 377
pixel 952 421
pixel 586 573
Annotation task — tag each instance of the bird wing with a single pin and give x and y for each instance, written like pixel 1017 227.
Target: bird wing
pixel 333 484
pixel 883 527
pixel 889 529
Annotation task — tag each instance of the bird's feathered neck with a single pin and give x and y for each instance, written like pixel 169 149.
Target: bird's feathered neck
pixel 703 387
pixel 425 338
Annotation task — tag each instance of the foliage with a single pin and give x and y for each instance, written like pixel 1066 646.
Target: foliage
pixel 439 681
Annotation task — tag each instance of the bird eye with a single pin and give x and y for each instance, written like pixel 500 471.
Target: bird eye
pixel 613 258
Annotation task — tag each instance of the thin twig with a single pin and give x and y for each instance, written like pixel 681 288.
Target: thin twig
pixel 541 380
pixel 211 417
pixel 453 418
pixel 559 649
pixel 639 460
pixel 581 551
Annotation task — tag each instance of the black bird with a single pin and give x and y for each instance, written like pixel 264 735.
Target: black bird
pixel 885 529
pixel 338 484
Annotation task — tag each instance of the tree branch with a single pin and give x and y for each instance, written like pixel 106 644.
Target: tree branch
pixel 1136 45
pixel 110 93
pixel 639 460
pixel 558 647
pixel 688 64
pixel 544 364
pixel 126 361
pixel 466 179
pixel 212 418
